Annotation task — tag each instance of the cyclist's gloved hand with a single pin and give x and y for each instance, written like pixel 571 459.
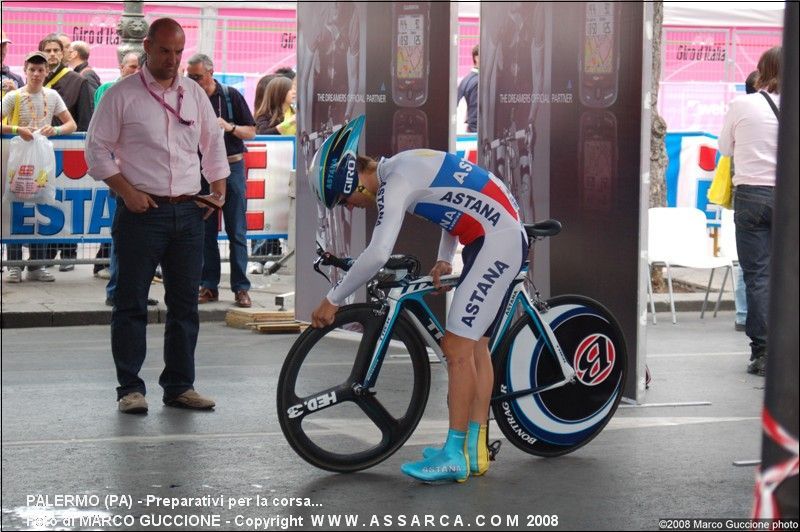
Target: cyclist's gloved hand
pixel 441 268
pixel 324 314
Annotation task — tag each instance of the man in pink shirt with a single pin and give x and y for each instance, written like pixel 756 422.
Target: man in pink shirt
pixel 750 134
pixel 143 142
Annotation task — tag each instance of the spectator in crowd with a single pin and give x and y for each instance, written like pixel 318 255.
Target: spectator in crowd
pixel 72 88
pixel 261 87
pixel 269 246
pixel 77 95
pixel 468 89
pixel 66 42
pixel 287 72
pixel 9 80
pixel 143 142
pixel 740 292
pixel 235 119
pixel 130 65
pixel 78 61
pixel 276 115
pixel 38 106
pixel 750 135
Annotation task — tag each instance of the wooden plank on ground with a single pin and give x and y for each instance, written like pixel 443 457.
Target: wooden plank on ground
pixel 279 327
pixel 242 318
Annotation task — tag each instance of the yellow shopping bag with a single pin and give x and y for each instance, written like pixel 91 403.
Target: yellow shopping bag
pixel 721 190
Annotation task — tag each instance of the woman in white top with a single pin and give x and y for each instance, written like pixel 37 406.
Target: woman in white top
pixel 750 135
pixel 37 107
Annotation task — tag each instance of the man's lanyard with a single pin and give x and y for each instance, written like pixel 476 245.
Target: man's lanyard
pixel 167 106
pixel 57 77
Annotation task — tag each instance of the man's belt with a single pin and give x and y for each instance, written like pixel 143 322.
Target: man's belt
pixel 182 199
pixel 235 158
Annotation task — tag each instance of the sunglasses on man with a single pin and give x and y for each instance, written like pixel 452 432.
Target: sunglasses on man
pixel 195 77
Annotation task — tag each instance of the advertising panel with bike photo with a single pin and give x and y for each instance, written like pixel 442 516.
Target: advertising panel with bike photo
pixel 563 133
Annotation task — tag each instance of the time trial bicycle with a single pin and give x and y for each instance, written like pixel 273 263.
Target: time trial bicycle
pixel 351 394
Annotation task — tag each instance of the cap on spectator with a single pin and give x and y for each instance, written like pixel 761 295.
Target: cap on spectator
pixel 35 54
pixel 5 39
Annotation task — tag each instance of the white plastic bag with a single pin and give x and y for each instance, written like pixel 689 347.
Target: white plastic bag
pixel 31 170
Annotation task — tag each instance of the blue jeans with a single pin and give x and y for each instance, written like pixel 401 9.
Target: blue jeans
pixel 753 207
pixel 113 270
pixel 740 295
pixel 171 235
pixel 233 212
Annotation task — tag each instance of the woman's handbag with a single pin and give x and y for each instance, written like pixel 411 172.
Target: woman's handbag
pixel 721 190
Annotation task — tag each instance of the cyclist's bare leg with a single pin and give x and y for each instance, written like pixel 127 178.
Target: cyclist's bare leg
pixel 485 381
pixel 451 463
pixel 462 378
pixel 477 439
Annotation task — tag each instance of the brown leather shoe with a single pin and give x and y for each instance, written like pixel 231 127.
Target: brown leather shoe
pixel 207 295
pixel 192 400
pixel 243 299
pixel 133 403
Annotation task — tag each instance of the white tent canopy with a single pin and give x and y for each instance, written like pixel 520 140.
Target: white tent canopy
pixel 761 14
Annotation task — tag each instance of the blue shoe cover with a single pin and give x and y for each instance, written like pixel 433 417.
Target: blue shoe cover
pixel 447 465
pixel 478 453
pixel 441 467
pixel 427 452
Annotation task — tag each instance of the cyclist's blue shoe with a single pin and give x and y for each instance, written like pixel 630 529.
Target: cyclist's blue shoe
pixel 477 449
pixel 447 465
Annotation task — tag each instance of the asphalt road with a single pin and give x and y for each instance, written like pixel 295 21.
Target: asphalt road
pixel 71 461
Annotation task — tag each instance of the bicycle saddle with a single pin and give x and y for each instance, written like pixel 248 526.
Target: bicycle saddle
pixel 542 229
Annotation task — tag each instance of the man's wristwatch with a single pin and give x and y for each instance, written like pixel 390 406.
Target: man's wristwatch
pixel 217 196
pixel 233 128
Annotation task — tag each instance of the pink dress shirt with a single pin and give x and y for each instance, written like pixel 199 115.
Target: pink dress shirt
pixel 750 135
pixel 132 133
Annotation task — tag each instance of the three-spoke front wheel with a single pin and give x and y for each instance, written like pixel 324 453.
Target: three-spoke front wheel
pixel 327 418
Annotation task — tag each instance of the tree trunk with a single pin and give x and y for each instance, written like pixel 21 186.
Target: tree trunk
pixel 658 127
pixel 658 132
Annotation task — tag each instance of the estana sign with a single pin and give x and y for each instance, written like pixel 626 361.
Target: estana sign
pixel 83 209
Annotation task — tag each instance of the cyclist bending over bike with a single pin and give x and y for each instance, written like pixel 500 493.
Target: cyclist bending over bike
pixel 472 206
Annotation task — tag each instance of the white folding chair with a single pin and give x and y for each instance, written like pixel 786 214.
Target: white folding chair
pixel 678 236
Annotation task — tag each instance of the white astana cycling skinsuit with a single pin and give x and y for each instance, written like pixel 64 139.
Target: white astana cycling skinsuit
pixel 472 206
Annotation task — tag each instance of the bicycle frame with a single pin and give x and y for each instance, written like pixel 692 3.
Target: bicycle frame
pixel 406 297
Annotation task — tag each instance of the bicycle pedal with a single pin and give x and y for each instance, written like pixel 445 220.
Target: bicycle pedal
pixel 494 448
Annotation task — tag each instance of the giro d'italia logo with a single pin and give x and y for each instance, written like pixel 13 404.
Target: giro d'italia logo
pixel 594 359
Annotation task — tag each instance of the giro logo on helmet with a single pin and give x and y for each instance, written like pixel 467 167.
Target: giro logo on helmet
pixel 351 172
